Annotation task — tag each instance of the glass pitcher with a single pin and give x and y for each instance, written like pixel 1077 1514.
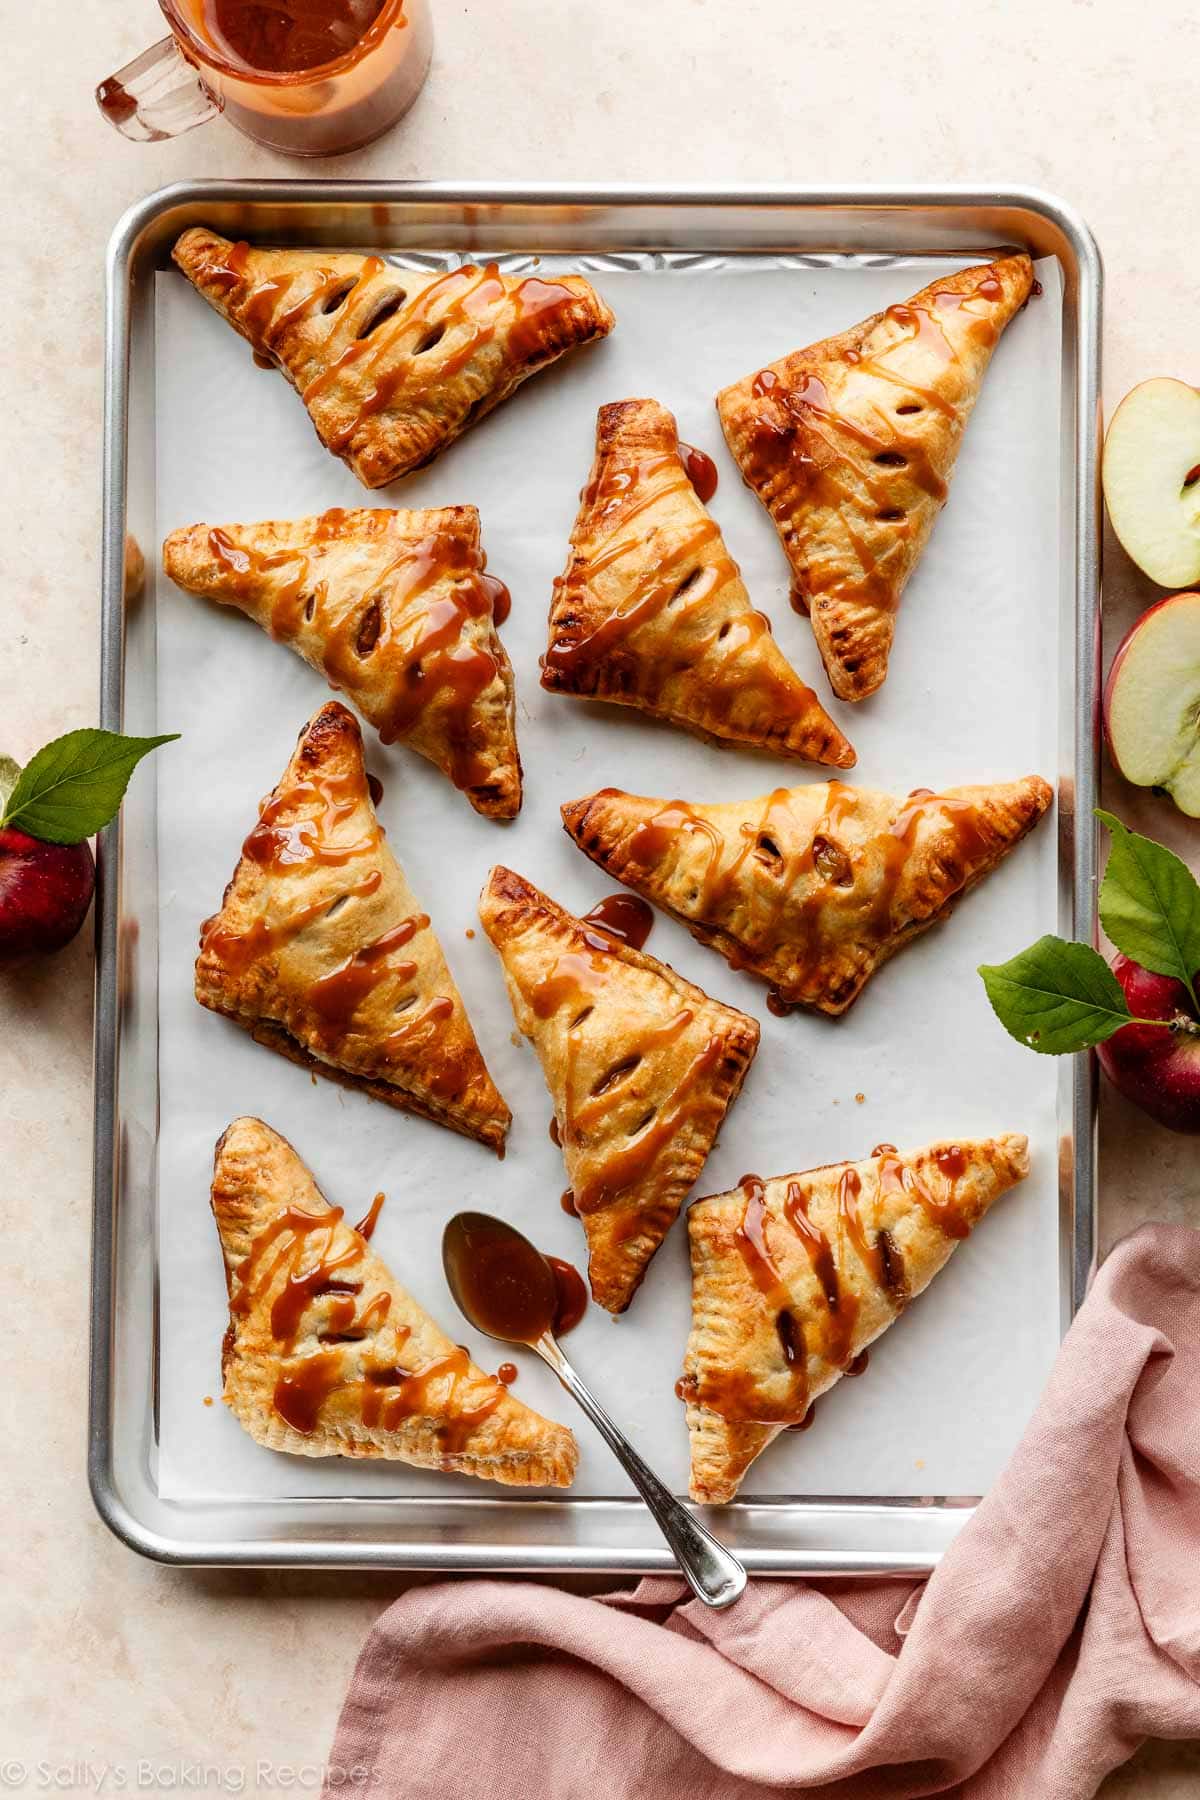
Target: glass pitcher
pixel 241 57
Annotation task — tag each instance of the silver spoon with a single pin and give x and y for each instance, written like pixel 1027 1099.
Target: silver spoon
pixel 503 1284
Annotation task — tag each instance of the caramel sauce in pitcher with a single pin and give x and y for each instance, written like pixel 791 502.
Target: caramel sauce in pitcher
pixel 287 36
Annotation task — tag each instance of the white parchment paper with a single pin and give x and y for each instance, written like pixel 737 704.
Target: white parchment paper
pixel 973 695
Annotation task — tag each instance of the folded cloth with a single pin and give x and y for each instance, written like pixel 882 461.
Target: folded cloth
pixel 1060 1629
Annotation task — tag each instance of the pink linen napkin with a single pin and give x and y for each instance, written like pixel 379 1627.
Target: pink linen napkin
pixel 1061 1628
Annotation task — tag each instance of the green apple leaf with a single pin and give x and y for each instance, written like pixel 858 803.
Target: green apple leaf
pixel 10 771
pixel 1056 997
pixel 74 785
pixel 1150 904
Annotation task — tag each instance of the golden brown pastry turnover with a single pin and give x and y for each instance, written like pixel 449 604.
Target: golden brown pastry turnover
pixel 792 1278
pixel 392 364
pixel 850 445
pixel 321 951
pixel 394 609
pixel 810 888
pixel 326 1355
pixel 652 612
pixel 642 1068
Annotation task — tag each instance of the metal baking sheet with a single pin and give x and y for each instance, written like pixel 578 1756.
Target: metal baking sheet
pixel 183 1483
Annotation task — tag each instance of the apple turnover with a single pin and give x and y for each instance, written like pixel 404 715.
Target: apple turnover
pixel 392 364
pixel 394 609
pixel 850 445
pixel 809 888
pixel 652 612
pixel 794 1277
pixel 642 1068
pixel 326 1355
pixel 321 951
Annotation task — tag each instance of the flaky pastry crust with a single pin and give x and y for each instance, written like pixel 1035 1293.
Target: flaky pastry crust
pixel 641 1066
pixel 850 445
pixel 652 612
pixel 392 364
pixel 809 888
pixel 326 1355
pixel 394 610
pixel 321 951
pixel 794 1277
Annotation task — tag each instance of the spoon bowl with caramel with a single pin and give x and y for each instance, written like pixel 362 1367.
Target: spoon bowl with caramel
pixel 508 1290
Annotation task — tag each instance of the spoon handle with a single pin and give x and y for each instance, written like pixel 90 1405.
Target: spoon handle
pixel 712 1572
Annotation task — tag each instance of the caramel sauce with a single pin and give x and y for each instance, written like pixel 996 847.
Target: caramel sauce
pixel 304 1386
pixel 385 1395
pixel 366 1226
pixel 751 1239
pixel 625 1168
pixel 570 1295
pixel 895 1178
pixel 337 997
pixel 675 593
pixel 567 1202
pixel 807 1422
pixel 536 302
pixel 237 950
pixel 500 597
pixel 375 789
pixel 773 876
pixel 841 1305
pixel 700 469
pixel 278 842
pixel 798 429
pixel 507 1373
pixel 624 917
pixel 859 1365
pixel 287 36
pixel 882 1258
pixel 467 301
pixel 555 1134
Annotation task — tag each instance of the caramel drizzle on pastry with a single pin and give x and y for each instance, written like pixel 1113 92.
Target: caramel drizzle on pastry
pixel 337 997
pixel 798 428
pixel 751 1239
pixel 572 984
pixel 734 1394
pixel 676 587
pixel 438 665
pixel 823 861
pixel 386 1393
pixel 392 342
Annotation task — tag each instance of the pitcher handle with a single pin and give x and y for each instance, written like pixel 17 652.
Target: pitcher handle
pixel 156 96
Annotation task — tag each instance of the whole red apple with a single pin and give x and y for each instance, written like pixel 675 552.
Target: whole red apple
pixel 45 891
pixel 1156 1066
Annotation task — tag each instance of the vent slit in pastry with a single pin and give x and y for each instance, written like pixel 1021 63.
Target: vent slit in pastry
pixel 651 610
pixel 642 1068
pixel 360 349
pixel 321 952
pixel 394 609
pixel 854 493
pixel 793 1278
pixel 809 888
pixel 326 1355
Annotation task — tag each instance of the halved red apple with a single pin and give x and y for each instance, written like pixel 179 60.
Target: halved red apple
pixel 1151 473
pixel 1152 702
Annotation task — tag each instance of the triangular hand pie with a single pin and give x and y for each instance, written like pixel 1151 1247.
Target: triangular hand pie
pixel 326 1355
pixel 810 888
pixel 651 611
pixel 850 446
pixel 793 1278
pixel 642 1068
pixel 321 951
pixel 392 364
pixel 395 610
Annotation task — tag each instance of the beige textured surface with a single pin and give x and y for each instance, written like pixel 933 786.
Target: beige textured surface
pixel 109 1657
